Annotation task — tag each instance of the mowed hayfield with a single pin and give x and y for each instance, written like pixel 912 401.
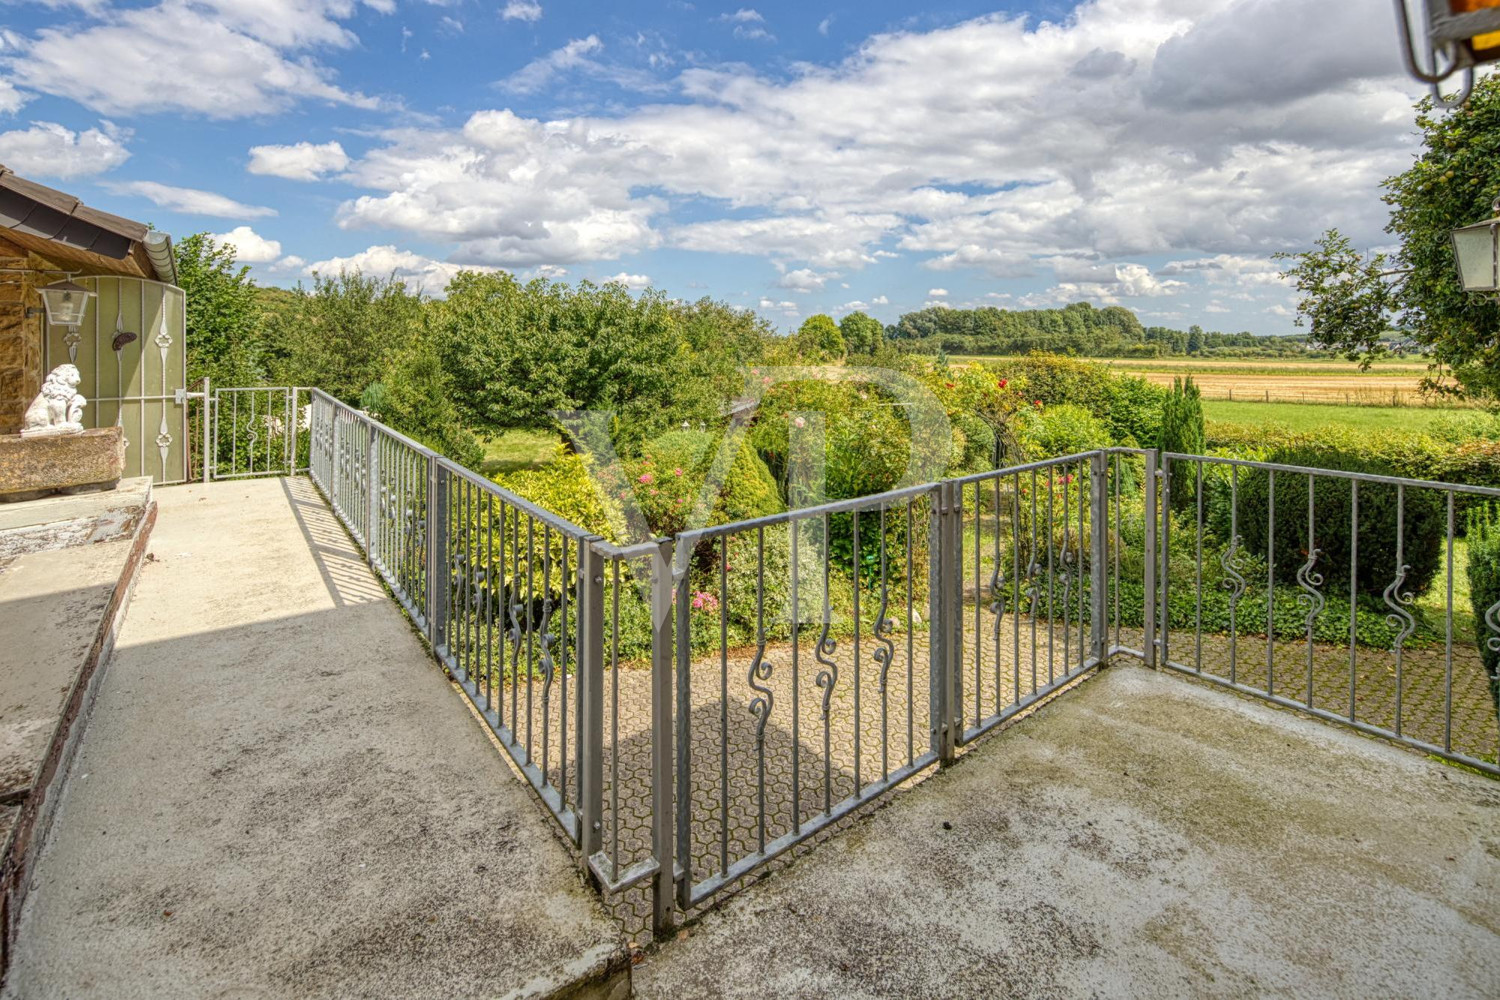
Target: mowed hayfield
pixel 1309 387
pixel 1392 382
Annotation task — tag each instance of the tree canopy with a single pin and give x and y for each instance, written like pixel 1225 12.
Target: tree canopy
pixel 1352 299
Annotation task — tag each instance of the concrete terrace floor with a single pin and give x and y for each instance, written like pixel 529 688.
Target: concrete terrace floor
pixel 1140 836
pixel 280 795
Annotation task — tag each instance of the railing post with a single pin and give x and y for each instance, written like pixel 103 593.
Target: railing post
pixel 437 553
pixel 944 610
pixel 1148 601
pixel 372 473
pixel 683 652
pixel 208 426
pixel 1163 573
pixel 663 818
pixel 1098 553
pixel 591 689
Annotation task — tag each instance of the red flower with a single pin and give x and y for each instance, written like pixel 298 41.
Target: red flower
pixel 948 384
pixel 1002 383
pixel 1037 404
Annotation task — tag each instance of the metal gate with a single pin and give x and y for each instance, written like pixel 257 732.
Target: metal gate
pixel 258 431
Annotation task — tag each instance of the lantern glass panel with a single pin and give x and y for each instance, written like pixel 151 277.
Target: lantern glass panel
pixel 66 303
pixel 1474 247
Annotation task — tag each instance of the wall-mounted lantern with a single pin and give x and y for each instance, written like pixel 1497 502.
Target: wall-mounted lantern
pixel 66 302
pixel 1476 250
pixel 1445 37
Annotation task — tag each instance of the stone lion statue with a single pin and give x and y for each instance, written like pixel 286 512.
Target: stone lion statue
pixel 58 408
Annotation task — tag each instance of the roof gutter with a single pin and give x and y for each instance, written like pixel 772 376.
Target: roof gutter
pixel 158 247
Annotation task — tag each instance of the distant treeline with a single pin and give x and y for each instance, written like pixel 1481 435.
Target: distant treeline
pixel 1078 329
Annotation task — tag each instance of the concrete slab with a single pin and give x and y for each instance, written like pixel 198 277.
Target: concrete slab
pixel 280 795
pixel 1141 836
pixel 51 604
pixel 64 520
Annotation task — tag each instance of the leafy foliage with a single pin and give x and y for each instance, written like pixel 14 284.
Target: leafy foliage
pixel 414 398
pixel 518 353
pixel 1129 407
pixel 566 487
pixel 1076 329
pixel 1484 589
pixel 1065 429
pixel 1422 518
pixel 222 316
pixel 342 334
pixel 1349 298
pixel 862 333
pixel 819 338
pixel 1182 432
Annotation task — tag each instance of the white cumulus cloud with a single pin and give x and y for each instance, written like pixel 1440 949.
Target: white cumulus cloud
pixel 421 274
pixel 636 281
pixel 249 246
pixel 303 161
pixel 521 10
pixel 994 146
pixel 48 150
pixel 218 58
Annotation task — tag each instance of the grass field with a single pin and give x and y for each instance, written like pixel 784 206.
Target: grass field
pixel 1311 416
pixel 518 449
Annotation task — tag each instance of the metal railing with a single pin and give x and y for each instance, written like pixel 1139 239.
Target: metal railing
pixel 689 709
pixel 1334 593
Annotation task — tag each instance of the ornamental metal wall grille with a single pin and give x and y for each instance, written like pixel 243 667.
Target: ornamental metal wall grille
pixel 131 351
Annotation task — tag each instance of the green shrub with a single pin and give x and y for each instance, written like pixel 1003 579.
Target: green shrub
pixel 667 481
pixel 1129 407
pixel 1424 523
pixel 1182 433
pixel 1064 429
pixel 566 487
pixel 414 397
pixel 1484 590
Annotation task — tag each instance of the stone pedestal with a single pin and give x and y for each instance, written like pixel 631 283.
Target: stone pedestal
pixel 65 463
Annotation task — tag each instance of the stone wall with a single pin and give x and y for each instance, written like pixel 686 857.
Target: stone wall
pixel 20 337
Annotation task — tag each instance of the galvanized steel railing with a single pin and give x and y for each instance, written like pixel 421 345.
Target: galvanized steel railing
pixel 1307 631
pixel 801 665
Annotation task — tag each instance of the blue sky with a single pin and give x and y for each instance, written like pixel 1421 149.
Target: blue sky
pixel 790 157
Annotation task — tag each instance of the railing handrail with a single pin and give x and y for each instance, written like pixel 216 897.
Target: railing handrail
pixel 1305 470
pixel 511 499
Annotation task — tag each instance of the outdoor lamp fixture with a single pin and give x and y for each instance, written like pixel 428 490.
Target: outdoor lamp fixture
pixel 66 302
pixel 1476 249
pixel 1456 36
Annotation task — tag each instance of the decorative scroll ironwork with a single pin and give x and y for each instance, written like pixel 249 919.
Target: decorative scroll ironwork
pixel 885 651
pixel 998 585
pixel 829 676
pixel 1398 601
pixel 761 670
pixel 1232 560
pixel 1311 599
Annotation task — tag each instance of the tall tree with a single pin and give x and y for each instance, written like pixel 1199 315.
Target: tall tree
pixel 819 338
pixel 223 336
pixel 1452 183
pixel 341 334
pixel 862 333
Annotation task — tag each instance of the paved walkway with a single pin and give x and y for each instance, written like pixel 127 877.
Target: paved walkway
pixel 1141 836
pixel 279 795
